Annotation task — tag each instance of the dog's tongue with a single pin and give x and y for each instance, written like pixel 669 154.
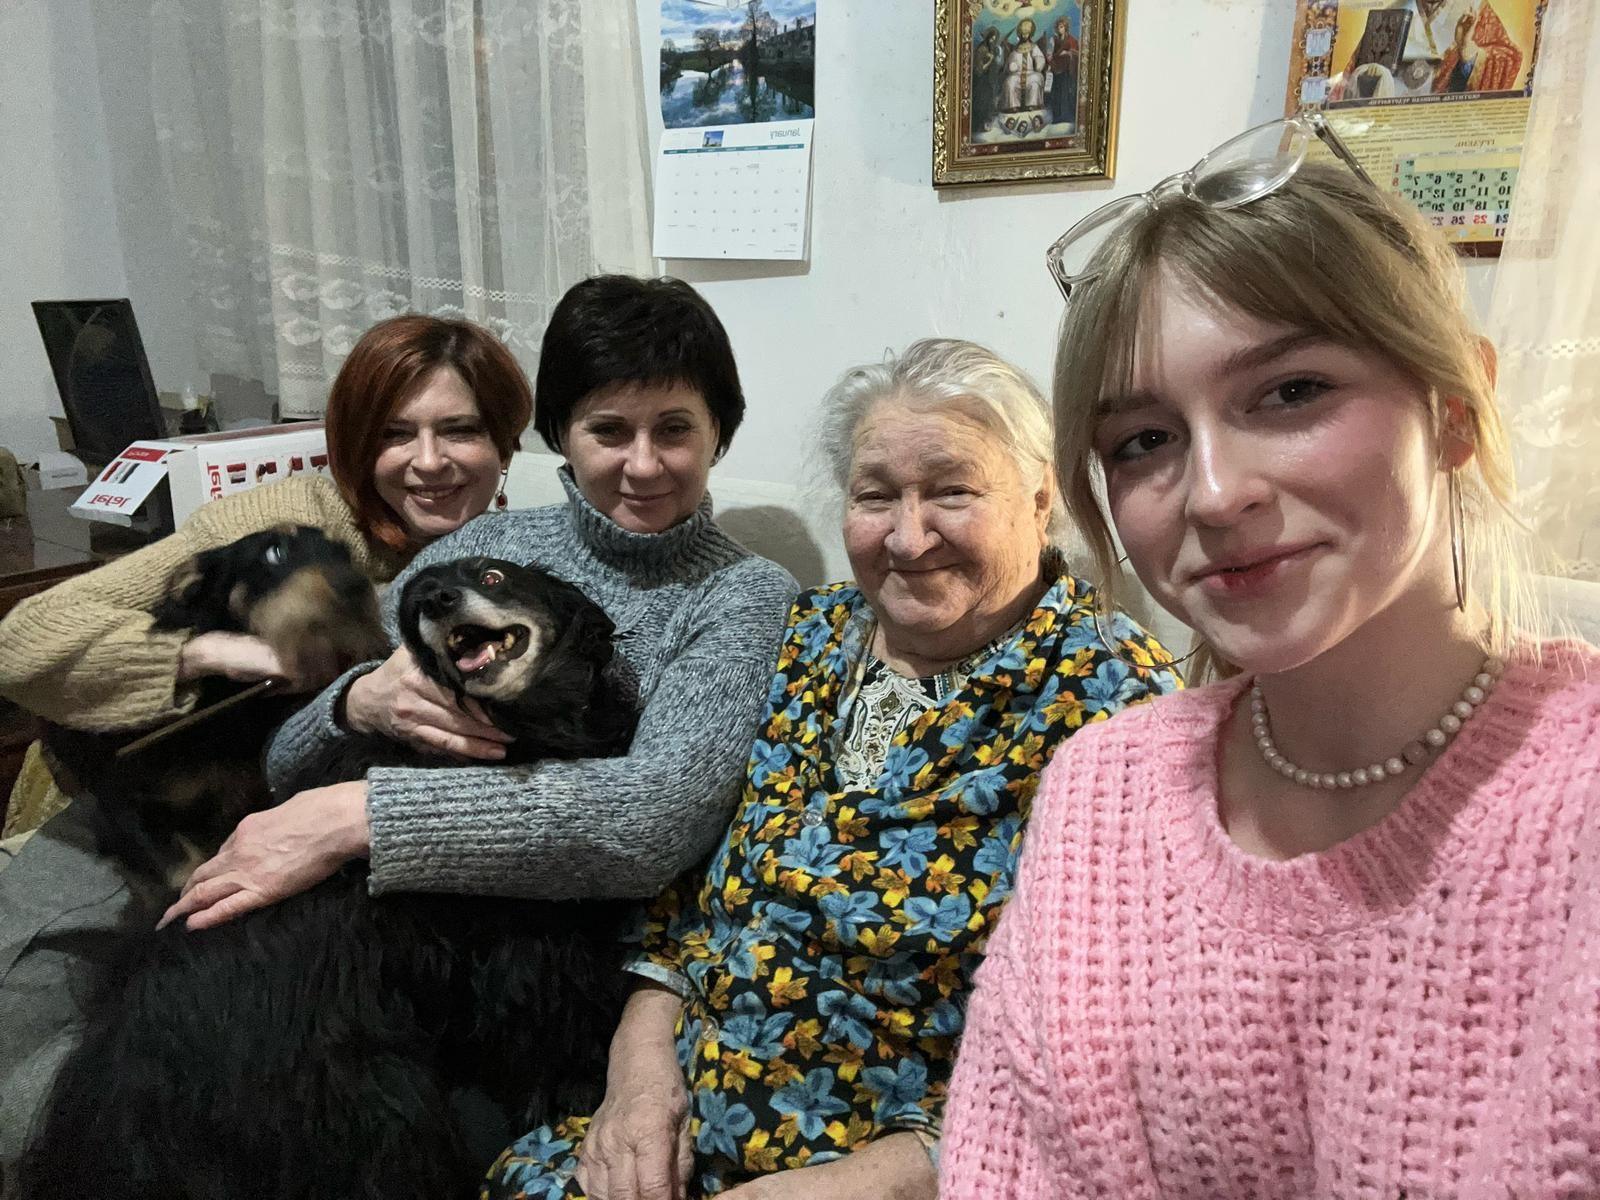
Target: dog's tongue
pixel 476 660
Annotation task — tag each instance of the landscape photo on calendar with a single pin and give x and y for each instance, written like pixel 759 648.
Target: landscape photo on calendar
pixel 734 62
pixel 1431 50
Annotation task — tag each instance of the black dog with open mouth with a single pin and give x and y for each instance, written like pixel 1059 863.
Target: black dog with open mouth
pixel 530 648
pixel 166 807
pixel 337 1045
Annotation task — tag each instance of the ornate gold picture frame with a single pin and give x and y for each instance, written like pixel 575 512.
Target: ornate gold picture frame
pixel 1025 91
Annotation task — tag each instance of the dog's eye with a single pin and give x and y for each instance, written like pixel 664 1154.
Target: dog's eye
pixel 491 577
pixel 273 555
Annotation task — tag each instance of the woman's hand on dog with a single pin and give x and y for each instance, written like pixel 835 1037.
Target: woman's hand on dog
pixel 399 702
pixel 277 853
pixel 638 1145
pixel 240 656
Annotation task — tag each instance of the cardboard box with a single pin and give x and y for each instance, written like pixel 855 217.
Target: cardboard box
pixel 58 470
pixel 202 468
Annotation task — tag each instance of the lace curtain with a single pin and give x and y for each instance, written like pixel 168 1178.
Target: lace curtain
pixel 1545 313
pixel 334 162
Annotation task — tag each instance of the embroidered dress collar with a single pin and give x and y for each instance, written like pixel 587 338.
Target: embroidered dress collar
pixel 645 556
pixel 855 648
pixel 1025 670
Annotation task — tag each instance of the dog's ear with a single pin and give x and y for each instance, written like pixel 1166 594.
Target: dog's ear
pixel 593 633
pixel 585 627
pixel 199 594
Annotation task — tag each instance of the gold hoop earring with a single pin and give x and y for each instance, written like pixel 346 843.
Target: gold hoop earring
pixel 1458 541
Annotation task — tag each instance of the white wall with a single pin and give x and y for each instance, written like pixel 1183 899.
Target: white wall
pixel 58 221
pixel 893 260
pixel 154 254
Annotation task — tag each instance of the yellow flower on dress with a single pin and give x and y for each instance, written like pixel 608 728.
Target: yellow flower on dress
pixel 760 1156
pixel 785 988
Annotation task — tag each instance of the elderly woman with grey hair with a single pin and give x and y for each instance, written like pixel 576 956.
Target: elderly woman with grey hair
pixel 800 998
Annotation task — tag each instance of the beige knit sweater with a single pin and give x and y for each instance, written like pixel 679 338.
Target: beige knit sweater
pixel 84 653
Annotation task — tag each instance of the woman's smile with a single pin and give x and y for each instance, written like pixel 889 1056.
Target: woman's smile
pixel 1252 574
pixel 435 493
pixel 641 453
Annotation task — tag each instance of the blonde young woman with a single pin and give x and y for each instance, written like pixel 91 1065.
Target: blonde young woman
pixel 1339 934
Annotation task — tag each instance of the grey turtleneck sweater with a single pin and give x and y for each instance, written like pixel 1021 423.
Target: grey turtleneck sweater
pixel 699 619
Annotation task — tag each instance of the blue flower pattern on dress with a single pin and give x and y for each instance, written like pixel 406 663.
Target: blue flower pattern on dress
pixel 721 1123
pixel 809 1101
pixel 829 944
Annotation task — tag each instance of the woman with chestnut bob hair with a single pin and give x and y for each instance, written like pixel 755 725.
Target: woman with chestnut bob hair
pixel 421 423
pixel 389 365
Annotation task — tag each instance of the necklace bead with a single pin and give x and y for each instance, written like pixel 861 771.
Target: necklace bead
pixel 1414 754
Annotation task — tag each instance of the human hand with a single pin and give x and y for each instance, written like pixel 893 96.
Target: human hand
pixel 895 1167
pixel 240 656
pixel 399 702
pixel 638 1146
pixel 277 853
pixel 1463 32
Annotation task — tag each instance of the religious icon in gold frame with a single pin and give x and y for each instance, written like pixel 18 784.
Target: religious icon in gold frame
pixel 1025 91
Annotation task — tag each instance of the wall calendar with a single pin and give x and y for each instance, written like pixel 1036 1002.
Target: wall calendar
pixel 1431 95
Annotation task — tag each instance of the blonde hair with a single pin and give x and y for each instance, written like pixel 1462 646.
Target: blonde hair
pixel 1328 254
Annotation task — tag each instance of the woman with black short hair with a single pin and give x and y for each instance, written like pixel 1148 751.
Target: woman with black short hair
pixel 638 391
pixel 616 329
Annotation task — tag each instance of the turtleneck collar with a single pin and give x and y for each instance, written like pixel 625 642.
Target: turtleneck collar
pixel 643 554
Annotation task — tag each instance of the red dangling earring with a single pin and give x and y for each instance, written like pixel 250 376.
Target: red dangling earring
pixel 500 500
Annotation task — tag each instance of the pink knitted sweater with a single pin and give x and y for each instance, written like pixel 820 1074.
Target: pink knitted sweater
pixel 1413 1013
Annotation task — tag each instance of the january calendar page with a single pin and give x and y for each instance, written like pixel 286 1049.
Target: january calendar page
pixel 733 175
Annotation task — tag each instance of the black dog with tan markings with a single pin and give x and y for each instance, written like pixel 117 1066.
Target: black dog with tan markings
pixel 167 806
pixel 530 648
pixel 340 1046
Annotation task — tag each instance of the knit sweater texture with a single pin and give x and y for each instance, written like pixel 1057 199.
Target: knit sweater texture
pixel 698 620
pixel 1413 1013
pixel 86 654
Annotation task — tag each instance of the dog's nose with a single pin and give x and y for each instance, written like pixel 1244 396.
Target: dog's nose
pixel 353 589
pixel 440 601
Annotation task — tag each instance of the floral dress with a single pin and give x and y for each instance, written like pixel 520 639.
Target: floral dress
pixel 826 953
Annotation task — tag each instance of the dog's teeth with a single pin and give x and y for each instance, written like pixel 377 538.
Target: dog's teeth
pixel 509 640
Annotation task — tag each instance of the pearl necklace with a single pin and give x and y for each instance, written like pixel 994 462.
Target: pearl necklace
pixel 1414 754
